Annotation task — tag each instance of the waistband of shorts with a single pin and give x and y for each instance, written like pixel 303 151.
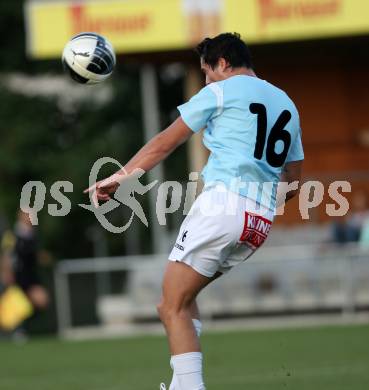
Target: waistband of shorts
pixel 245 203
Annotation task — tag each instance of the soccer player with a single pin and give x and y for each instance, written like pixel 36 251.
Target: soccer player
pixel 253 134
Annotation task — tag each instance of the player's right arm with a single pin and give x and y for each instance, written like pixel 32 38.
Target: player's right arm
pixel 151 154
pixel 160 147
pixel 194 116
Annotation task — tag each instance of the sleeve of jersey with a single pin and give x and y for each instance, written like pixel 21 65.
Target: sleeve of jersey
pixel 296 152
pixel 199 109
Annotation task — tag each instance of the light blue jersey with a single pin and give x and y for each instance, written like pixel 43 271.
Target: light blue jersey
pixel 252 129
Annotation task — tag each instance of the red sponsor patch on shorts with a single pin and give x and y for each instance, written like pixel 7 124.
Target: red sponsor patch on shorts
pixel 255 230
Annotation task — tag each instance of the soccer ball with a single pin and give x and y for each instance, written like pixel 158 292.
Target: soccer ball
pixel 89 58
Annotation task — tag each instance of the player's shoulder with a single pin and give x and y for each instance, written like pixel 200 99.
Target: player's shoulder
pixel 283 95
pixel 214 88
pixel 211 91
pixel 251 85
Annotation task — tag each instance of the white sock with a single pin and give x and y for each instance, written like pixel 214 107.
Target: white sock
pixel 198 327
pixel 187 368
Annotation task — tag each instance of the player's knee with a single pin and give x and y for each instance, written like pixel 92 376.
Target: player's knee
pixel 168 310
pixel 165 311
pixel 160 309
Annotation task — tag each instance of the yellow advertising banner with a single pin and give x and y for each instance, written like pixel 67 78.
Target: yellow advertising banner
pixel 262 21
pixel 152 25
pixel 132 26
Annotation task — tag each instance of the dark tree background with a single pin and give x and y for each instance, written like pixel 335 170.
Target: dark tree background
pixel 41 141
pixel 46 138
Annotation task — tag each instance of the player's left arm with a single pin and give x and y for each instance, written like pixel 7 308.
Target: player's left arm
pixel 291 174
pixel 290 177
pixel 151 154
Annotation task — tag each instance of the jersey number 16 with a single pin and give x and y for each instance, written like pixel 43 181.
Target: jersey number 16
pixel 277 133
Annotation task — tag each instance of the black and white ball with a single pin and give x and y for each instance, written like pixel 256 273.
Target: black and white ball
pixel 89 58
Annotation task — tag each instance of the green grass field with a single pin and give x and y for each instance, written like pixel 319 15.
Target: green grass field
pixel 328 358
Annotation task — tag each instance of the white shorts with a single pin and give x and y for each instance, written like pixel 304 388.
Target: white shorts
pixel 221 230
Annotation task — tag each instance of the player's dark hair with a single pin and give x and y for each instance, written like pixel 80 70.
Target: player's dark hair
pixel 229 46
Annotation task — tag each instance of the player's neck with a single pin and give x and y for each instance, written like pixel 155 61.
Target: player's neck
pixel 243 71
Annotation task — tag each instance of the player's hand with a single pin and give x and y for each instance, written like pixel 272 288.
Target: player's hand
pixel 102 189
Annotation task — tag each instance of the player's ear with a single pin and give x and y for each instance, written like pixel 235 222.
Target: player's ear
pixel 222 64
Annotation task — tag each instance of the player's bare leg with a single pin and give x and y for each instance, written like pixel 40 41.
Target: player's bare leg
pixel 194 310
pixel 195 315
pixel 177 311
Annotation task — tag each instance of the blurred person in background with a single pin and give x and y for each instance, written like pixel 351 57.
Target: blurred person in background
pixel 19 262
pixel 361 217
pixel 6 249
pixel 349 228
